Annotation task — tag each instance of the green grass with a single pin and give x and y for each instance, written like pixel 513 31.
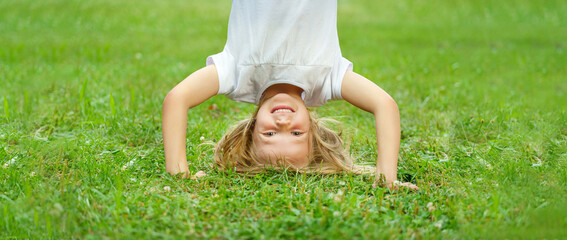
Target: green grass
pixel 481 87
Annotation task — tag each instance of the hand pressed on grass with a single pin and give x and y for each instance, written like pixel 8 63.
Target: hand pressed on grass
pixel 380 180
pixel 198 175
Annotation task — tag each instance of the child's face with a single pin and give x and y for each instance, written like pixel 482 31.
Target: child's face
pixel 282 130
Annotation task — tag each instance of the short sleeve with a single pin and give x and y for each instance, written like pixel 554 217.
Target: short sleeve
pixel 225 65
pixel 343 65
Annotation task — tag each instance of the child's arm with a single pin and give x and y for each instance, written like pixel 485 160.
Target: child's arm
pixel 195 89
pixel 367 96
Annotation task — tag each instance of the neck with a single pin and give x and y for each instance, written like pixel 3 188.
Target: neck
pixel 292 90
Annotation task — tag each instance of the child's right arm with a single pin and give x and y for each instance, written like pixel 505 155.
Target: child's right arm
pixel 195 89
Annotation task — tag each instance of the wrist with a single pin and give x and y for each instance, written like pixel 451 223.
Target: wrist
pixel 386 178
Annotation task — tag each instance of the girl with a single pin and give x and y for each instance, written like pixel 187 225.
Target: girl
pixel 282 56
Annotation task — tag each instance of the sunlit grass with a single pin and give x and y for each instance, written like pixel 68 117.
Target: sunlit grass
pixel 481 88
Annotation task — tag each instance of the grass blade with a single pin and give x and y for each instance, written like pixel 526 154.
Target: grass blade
pixel 6 109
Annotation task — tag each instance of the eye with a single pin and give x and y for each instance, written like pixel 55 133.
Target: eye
pixel 270 133
pixel 296 133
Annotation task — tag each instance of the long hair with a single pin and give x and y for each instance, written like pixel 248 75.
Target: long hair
pixel 235 150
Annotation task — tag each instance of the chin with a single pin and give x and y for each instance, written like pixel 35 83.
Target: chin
pixel 299 164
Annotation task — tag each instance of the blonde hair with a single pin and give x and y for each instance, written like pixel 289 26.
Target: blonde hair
pixel 235 150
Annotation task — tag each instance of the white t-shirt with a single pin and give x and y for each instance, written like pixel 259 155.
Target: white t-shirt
pixel 281 41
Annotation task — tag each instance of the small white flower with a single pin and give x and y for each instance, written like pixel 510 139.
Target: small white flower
pixel 12 161
pixel 336 213
pixel 538 164
pixel 32 174
pixel 339 196
pixel 167 188
pixel 129 164
pixel 342 183
pixel 445 157
pixel 202 138
pixel 438 224
pixel 430 207
pixel 57 209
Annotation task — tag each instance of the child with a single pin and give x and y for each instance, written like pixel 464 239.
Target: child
pixel 282 56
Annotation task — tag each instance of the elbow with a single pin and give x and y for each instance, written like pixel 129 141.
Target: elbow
pixel 169 98
pixel 172 100
pixel 392 103
pixel 386 104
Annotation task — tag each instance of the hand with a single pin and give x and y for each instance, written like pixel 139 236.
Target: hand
pixel 395 185
pixel 198 175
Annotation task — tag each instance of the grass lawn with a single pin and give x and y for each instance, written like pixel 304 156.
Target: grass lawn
pixel 481 86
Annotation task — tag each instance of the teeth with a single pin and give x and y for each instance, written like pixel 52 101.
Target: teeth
pixel 282 110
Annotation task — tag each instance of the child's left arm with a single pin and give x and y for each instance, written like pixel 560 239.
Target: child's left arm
pixel 367 96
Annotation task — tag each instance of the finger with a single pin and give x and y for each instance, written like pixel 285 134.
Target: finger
pixel 377 183
pixel 198 175
pixel 410 186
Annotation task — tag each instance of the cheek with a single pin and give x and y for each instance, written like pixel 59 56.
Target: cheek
pixel 300 158
pixel 306 121
pixel 261 119
pixel 257 148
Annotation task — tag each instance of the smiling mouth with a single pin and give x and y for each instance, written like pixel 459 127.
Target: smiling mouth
pixel 282 109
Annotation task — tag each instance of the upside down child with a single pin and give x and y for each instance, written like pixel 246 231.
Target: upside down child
pixel 283 56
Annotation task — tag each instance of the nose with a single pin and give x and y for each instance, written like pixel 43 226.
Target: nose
pixel 283 121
